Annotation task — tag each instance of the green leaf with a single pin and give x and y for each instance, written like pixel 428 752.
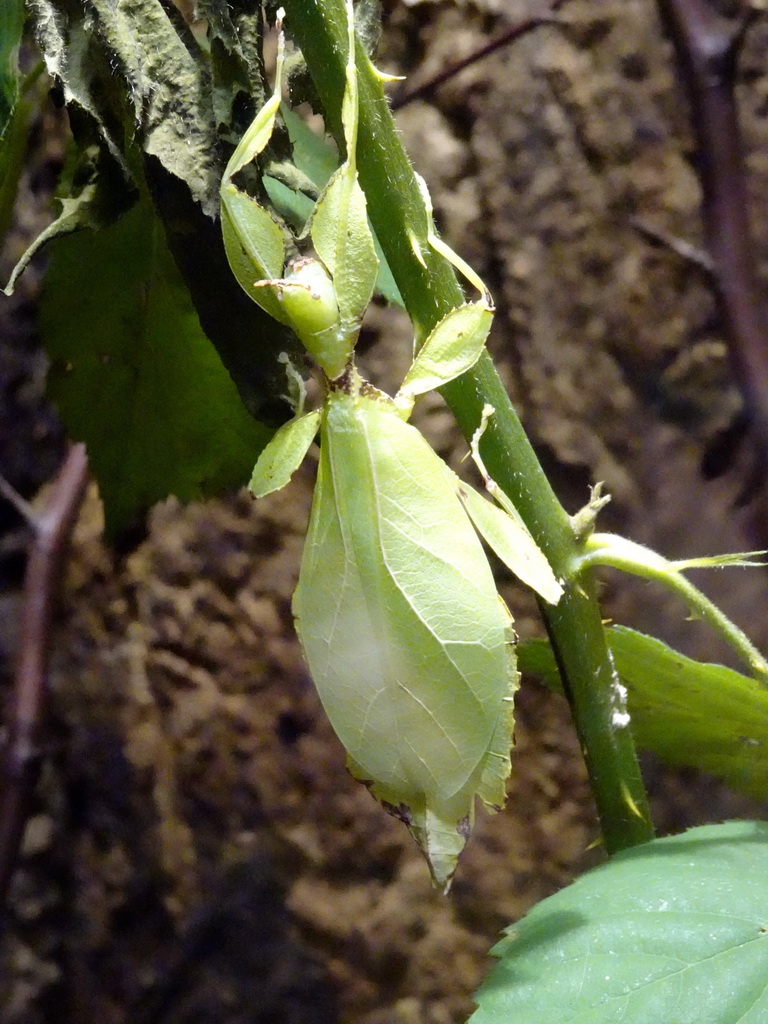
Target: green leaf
pixel 11 27
pixel 137 62
pixel 135 377
pixel 234 37
pixel 73 54
pixel 744 559
pixel 168 80
pixel 385 280
pixel 293 207
pixel 316 157
pixel 686 711
pixel 671 932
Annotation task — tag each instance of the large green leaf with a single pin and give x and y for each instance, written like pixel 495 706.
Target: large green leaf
pixel 135 377
pixel 672 932
pixel 138 59
pixel 144 93
pixel 686 711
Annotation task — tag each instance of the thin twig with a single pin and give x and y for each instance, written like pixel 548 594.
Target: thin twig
pixel 507 36
pixel 22 506
pixel 685 250
pixel 22 750
pixel 707 46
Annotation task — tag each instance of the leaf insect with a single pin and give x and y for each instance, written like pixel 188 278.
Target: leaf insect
pixel 406 638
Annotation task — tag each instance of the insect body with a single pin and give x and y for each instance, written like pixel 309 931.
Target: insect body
pixel 396 608
pixel 408 643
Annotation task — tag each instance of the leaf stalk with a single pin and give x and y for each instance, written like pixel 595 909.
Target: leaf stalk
pixel 620 553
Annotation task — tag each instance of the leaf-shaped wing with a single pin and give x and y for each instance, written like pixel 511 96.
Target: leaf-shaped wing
pixel 405 636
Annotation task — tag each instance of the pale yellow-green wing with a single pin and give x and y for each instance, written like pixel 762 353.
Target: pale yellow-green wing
pixel 404 634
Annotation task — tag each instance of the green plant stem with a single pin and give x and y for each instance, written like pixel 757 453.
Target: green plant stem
pixel 429 288
pixel 620 553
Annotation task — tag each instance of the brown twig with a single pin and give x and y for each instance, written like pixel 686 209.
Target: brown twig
pixel 691 253
pixel 707 45
pixel 507 36
pixel 22 750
